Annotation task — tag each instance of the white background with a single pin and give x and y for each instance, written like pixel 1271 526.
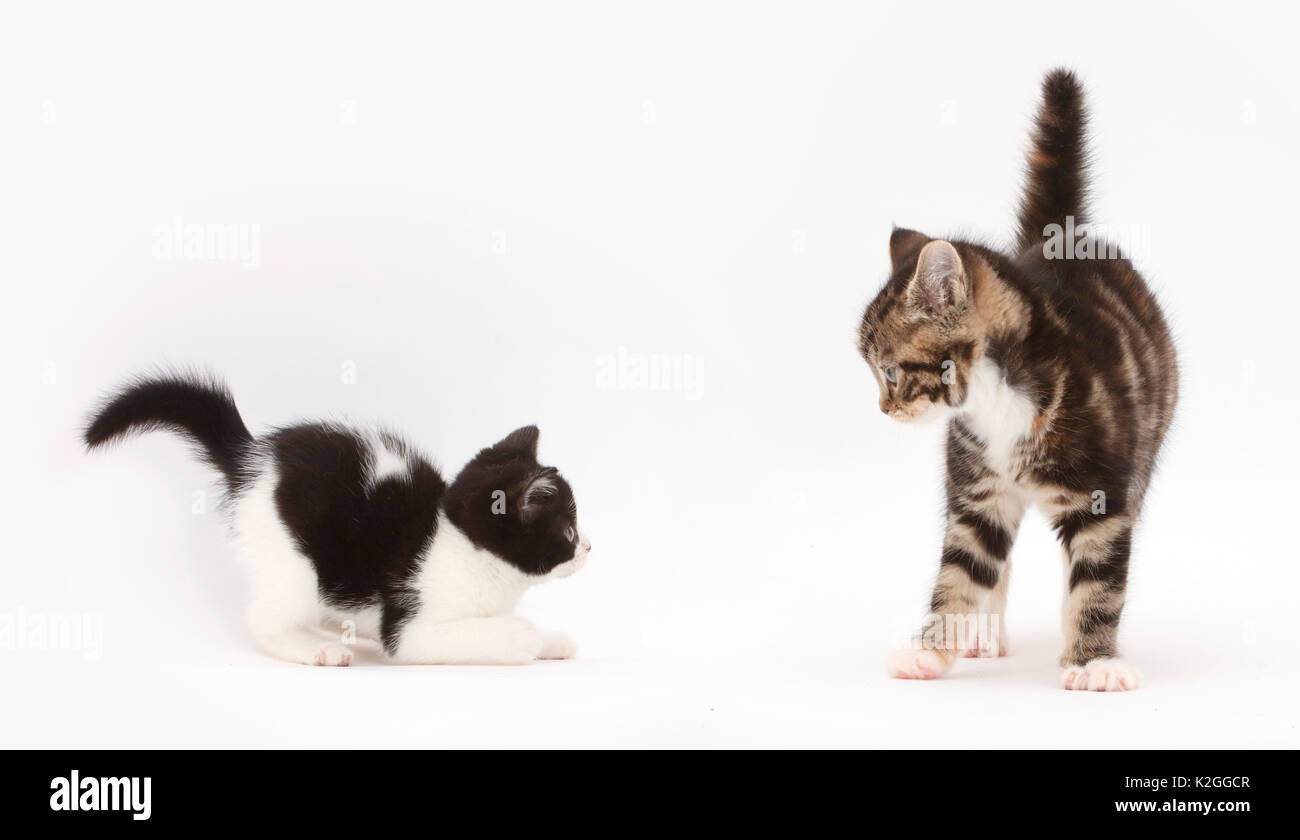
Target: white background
pixel 471 207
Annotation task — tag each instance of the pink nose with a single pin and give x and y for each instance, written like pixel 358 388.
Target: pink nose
pixel 586 544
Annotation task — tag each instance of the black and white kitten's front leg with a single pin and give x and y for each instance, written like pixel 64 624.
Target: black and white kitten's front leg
pixel 497 640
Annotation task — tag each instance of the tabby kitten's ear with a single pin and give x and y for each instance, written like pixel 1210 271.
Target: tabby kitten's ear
pixel 940 286
pixel 903 245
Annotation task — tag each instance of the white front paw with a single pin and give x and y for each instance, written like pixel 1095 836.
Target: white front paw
pixel 331 655
pixel 916 664
pixel 1101 675
pixel 521 642
pixel 557 646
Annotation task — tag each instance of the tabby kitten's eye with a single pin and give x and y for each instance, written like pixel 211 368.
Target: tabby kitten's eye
pixel 891 374
pixel 570 534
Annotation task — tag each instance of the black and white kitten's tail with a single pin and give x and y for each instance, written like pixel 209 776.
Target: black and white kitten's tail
pixel 199 409
pixel 1057 183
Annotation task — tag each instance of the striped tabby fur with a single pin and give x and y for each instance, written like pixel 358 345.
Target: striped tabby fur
pixel 1060 379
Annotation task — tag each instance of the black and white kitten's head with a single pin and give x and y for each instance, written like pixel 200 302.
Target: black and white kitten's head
pixel 521 511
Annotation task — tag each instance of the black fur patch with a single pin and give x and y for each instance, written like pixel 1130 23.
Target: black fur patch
pixel 364 538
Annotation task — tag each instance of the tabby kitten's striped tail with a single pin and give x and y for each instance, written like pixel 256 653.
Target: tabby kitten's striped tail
pixel 1057 184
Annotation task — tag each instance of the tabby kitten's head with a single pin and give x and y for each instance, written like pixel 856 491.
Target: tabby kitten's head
pixel 918 335
pixel 521 511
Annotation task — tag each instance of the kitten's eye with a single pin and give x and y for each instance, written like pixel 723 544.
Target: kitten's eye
pixel 891 374
pixel 570 534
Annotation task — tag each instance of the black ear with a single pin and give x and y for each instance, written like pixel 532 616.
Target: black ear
pixel 519 445
pixel 903 245
pixel 940 286
pixel 537 493
pixel 522 441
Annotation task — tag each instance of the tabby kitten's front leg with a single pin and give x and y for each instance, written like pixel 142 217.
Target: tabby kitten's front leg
pixel 984 514
pixel 1097 555
pixel 993 640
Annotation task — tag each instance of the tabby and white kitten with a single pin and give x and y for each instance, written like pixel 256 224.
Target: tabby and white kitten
pixel 1060 379
pixel 352 530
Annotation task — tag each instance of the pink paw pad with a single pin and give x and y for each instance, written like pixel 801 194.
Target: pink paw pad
pixel 916 665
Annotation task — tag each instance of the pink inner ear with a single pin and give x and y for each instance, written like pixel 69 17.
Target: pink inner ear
pixel 939 282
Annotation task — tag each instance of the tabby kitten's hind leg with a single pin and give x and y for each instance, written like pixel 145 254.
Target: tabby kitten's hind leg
pixel 1096 564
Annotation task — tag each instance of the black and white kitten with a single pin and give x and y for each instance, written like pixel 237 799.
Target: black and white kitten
pixel 348 529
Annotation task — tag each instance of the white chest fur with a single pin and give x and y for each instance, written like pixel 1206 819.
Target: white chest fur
pixel 459 580
pixel 999 415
